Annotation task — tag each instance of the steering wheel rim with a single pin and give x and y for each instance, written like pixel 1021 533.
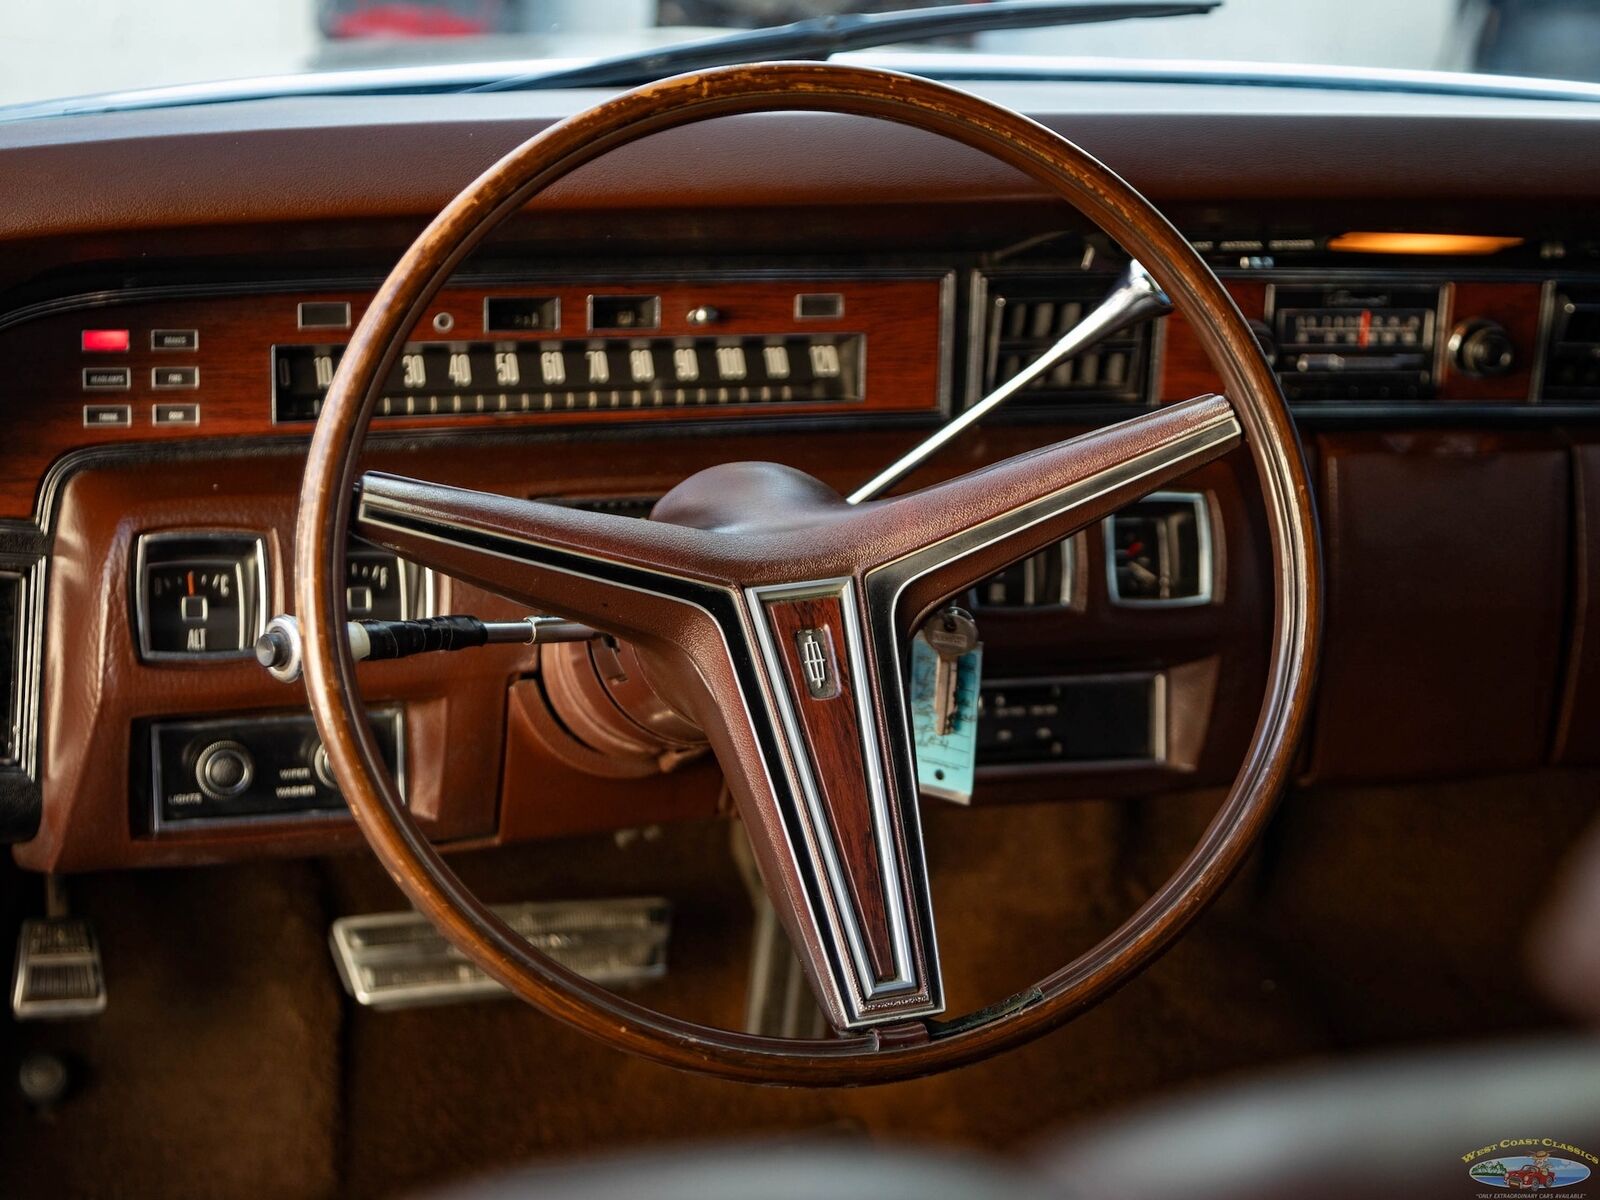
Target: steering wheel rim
pixel 913 1047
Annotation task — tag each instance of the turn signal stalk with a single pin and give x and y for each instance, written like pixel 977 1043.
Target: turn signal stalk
pixel 278 649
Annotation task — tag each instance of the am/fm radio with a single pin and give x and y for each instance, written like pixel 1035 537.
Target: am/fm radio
pixel 1361 342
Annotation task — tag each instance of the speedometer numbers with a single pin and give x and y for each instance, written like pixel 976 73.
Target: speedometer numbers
pixel 433 379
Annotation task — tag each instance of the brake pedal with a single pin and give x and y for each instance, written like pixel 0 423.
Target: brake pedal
pixel 58 973
pixel 398 960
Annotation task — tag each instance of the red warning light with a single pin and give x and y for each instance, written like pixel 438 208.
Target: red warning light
pixel 106 341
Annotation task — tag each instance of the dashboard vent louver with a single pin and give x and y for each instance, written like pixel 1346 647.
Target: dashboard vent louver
pixel 1024 314
pixel 1572 359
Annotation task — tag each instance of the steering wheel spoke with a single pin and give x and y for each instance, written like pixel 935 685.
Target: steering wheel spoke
pixel 981 522
pixel 600 568
pixel 842 849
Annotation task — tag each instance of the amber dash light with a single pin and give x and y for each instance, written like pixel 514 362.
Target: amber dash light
pixel 1421 243
pixel 106 341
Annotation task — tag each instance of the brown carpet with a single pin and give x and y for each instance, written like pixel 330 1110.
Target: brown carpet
pixel 230 1065
pixel 1017 892
pixel 214 1070
pixel 1405 911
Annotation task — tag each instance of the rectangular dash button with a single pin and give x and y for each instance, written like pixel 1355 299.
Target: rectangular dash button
pixel 97 415
pixel 176 414
pixel 107 379
pixel 324 314
pixel 818 306
pixel 174 377
pixel 174 339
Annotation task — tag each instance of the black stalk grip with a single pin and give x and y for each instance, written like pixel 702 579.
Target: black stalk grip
pixel 401 639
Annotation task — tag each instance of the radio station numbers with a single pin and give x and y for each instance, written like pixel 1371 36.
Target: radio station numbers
pixel 730 363
pixel 776 360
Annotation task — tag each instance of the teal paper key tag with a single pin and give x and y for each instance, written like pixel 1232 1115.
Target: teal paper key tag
pixel 945 761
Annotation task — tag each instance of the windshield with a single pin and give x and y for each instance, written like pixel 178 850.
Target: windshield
pixel 76 47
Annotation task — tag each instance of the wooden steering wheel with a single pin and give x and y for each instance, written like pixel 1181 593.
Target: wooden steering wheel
pixel 741 559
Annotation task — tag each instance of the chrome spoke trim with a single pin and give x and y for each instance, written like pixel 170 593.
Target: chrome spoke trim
pixel 865 1000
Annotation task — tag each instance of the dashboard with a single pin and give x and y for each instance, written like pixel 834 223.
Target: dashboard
pixel 168 360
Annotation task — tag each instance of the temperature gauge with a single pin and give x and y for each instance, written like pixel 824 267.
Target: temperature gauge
pixel 199 595
pixel 381 586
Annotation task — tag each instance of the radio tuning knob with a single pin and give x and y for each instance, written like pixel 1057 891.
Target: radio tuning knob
pixel 1480 348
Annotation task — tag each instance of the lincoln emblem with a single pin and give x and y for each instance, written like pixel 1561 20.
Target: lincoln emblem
pixel 816 660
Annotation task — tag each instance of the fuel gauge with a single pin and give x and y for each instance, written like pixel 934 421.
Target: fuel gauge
pixel 199 595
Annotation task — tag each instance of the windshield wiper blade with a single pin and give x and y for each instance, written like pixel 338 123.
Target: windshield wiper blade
pixel 822 37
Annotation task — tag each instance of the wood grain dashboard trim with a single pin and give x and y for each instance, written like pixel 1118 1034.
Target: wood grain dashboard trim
pixel 905 317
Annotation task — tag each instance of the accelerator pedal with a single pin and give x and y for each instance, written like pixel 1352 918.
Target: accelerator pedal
pixel 398 960
pixel 58 972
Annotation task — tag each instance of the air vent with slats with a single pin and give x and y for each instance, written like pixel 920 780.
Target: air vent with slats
pixel 1025 315
pixel 1572 359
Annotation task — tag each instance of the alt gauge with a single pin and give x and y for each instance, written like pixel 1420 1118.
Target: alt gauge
pixel 199 595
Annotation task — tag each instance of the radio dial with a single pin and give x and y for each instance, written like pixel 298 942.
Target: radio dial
pixel 1482 349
